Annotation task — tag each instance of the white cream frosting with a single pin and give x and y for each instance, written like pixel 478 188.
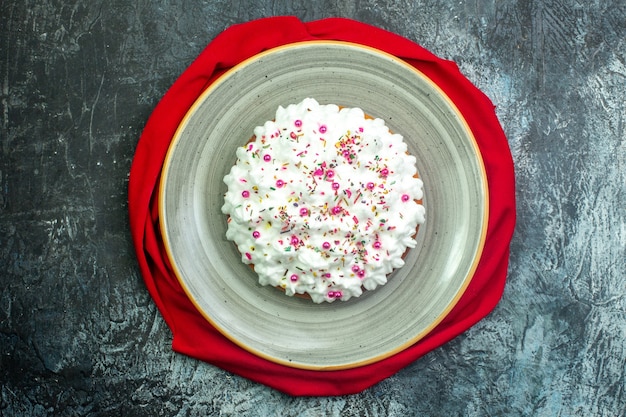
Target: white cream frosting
pixel 323 201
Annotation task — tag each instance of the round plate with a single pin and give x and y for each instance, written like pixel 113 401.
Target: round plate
pixel 291 330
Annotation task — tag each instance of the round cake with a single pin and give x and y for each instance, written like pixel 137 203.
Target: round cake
pixel 323 201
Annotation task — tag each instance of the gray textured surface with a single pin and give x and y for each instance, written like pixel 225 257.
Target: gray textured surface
pixel 79 334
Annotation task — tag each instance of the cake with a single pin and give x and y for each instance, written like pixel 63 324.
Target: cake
pixel 323 201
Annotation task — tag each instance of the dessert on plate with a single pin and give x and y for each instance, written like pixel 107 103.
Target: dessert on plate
pixel 323 201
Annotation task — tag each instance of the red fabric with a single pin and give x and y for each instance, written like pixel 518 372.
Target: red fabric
pixel 192 334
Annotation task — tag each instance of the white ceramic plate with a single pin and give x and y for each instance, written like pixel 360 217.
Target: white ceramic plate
pixel 294 331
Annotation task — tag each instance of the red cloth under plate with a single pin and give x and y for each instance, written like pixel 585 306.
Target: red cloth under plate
pixel 192 334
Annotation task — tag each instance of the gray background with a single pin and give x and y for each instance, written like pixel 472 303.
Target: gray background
pixel 79 334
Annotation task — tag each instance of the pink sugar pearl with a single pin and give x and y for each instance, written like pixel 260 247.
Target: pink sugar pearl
pixel 304 211
pixel 267 157
pixel 323 129
pixel 405 197
pixel 326 245
pixel 245 193
pixel 293 278
pixel 256 234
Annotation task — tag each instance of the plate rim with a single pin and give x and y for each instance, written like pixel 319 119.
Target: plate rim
pixel 476 153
